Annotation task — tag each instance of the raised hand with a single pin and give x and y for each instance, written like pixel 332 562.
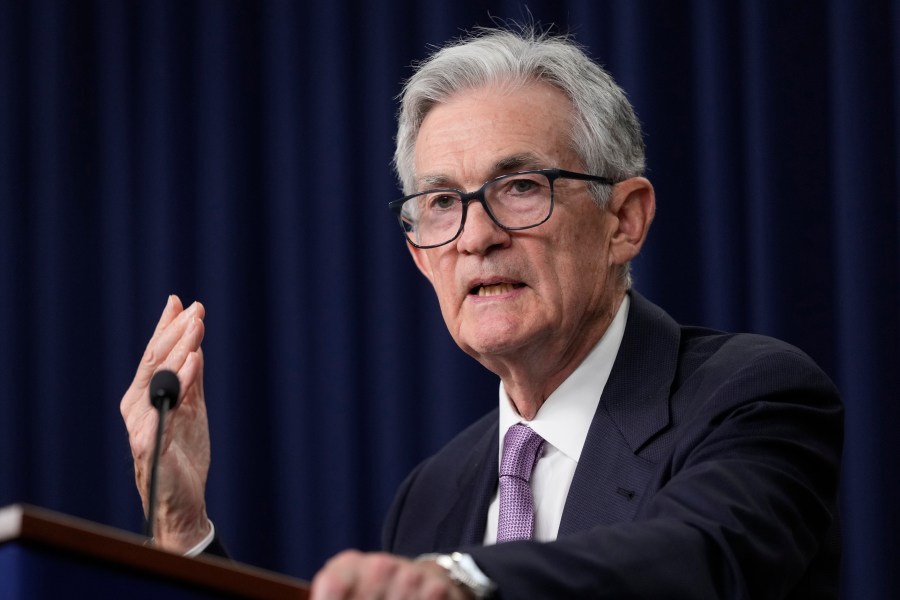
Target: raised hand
pixel 184 459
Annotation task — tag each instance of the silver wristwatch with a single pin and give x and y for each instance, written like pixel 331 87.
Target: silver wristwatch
pixel 463 571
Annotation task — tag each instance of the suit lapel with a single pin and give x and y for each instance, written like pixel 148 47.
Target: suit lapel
pixel 465 522
pixel 611 476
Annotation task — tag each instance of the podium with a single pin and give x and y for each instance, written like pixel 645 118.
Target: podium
pixel 44 554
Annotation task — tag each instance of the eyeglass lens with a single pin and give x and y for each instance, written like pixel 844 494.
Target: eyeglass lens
pixel 516 201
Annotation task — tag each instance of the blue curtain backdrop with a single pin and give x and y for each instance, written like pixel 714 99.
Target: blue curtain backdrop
pixel 238 153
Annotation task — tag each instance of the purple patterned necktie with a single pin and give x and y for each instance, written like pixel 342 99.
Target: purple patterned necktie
pixel 521 449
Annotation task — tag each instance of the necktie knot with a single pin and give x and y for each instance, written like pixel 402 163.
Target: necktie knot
pixel 521 447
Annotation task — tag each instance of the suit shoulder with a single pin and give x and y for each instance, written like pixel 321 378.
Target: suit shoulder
pixel 748 362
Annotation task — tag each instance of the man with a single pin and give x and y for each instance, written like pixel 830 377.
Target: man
pixel 665 461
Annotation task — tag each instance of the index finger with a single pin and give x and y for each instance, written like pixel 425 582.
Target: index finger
pixel 170 311
pixel 147 366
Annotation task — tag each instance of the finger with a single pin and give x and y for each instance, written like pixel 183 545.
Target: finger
pixel 406 582
pixel 164 341
pixel 188 343
pixel 337 578
pixel 172 322
pixel 174 334
pixel 375 574
pixel 191 378
pixel 147 366
pixel 423 580
pixel 172 309
pixel 187 365
pixel 191 372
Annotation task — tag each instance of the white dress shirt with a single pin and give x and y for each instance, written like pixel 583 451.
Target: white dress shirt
pixel 563 421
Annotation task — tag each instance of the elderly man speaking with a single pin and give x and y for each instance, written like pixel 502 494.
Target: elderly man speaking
pixel 629 456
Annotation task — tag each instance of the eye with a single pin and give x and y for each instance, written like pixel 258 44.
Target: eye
pixel 441 201
pixel 519 187
pixel 522 186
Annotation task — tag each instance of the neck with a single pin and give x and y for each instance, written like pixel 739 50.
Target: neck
pixel 530 379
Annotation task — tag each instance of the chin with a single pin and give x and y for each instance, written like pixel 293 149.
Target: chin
pixel 492 343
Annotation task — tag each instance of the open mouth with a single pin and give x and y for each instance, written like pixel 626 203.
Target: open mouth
pixel 494 289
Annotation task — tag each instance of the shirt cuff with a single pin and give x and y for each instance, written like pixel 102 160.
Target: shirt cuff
pixel 199 548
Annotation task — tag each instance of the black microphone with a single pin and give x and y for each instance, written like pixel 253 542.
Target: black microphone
pixel 164 391
pixel 164 386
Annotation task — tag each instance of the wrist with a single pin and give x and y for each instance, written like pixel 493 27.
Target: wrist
pixel 181 533
pixel 464 572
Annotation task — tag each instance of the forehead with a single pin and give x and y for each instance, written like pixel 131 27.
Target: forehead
pixel 480 133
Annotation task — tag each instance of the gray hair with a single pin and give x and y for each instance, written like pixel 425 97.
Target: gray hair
pixel 605 132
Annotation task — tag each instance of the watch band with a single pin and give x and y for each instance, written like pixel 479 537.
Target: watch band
pixel 463 571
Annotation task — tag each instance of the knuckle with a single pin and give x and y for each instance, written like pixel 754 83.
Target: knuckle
pixel 343 558
pixel 408 578
pixel 382 565
pixel 149 357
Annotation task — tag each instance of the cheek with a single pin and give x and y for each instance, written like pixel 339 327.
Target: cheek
pixel 443 281
pixel 580 267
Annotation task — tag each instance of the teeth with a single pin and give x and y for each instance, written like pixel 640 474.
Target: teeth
pixel 495 290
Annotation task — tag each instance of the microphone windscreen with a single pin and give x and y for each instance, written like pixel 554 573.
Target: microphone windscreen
pixel 164 386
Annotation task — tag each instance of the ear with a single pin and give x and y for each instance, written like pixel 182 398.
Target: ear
pixel 421 260
pixel 633 203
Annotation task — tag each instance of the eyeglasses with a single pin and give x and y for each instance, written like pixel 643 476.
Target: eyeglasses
pixel 515 201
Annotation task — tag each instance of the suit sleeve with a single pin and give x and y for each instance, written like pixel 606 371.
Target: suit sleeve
pixel 216 548
pixel 745 508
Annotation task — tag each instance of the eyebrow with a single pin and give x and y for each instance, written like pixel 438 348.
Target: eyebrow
pixel 516 162
pixel 507 164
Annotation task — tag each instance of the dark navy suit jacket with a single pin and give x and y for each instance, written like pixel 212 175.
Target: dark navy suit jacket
pixel 710 470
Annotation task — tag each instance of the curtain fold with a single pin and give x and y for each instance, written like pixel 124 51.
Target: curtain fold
pixel 239 153
pixel 863 152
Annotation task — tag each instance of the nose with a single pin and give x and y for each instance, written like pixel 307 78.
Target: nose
pixel 480 233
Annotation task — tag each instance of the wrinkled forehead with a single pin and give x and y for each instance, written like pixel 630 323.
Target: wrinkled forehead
pixel 489 131
pixel 502 165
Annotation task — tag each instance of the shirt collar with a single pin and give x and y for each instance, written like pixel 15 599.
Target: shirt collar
pixel 565 417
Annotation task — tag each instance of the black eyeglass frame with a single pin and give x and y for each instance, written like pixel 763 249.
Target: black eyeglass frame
pixel 396 206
